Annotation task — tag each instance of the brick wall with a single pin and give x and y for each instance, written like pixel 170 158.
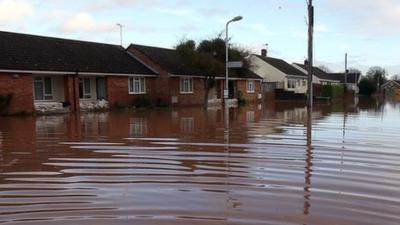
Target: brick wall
pixel 195 98
pixel 250 97
pixel 118 92
pixel 71 91
pixel 22 89
pixel 161 84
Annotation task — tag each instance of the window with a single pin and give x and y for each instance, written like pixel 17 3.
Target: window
pixel 187 125
pixel 291 83
pixel 138 127
pixel 186 85
pixel 304 83
pixel 250 86
pixel 250 116
pixel 42 88
pixel 137 85
pixel 84 88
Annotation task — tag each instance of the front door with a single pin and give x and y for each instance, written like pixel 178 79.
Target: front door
pixel 101 88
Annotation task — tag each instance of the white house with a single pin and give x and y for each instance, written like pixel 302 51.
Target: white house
pixel 323 78
pixel 278 74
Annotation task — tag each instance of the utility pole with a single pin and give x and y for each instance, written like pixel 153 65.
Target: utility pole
pixel 310 76
pixel 120 32
pixel 345 72
pixel 310 53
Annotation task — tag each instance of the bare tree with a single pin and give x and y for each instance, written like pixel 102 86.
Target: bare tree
pixel 324 68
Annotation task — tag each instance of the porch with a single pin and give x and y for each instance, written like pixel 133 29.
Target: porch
pixel 66 93
pixel 92 93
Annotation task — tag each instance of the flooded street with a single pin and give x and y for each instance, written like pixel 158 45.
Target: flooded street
pixel 177 166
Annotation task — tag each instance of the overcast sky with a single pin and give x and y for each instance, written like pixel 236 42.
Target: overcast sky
pixel 369 30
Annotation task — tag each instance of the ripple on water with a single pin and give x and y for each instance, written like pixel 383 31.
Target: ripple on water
pixel 161 169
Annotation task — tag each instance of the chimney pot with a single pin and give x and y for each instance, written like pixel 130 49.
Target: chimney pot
pixel 264 52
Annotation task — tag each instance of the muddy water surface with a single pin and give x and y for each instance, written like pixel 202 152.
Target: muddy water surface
pixel 178 166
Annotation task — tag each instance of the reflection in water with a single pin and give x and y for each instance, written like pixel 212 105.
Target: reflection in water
pixel 187 125
pixel 183 167
pixel 138 127
pixel 309 164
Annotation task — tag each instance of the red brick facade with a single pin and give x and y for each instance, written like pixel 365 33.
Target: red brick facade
pixel 161 87
pixel 118 91
pixel 166 87
pixel 21 87
pixel 250 97
pixel 241 86
pixel 71 91
pixel 195 98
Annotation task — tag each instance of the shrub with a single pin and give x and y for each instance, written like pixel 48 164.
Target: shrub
pixel 158 102
pixel 332 91
pixel 326 91
pixel 5 101
pixel 143 102
pixel 119 105
pixel 240 99
pixel 337 91
pixel 367 87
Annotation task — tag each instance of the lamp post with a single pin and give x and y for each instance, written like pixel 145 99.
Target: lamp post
pixel 120 32
pixel 226 91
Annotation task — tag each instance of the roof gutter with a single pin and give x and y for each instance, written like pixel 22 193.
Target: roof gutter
pixel 37 72
pixel 217 78
pixel 114 74
pixel 42 72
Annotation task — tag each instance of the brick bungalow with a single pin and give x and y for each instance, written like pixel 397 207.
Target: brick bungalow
pixel 46 74
pixel 53 74
pixel 180 84
pixel 391 88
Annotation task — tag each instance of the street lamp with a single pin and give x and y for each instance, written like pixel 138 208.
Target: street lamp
pixel 120 32
pixel 226 91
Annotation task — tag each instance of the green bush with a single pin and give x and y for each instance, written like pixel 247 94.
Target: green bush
pixel 119 105
pixel 332 91
pixel 241 100
pixel 337 91
pixel 326 91
pixel 5 101
pixel 143 102
pixel 367 87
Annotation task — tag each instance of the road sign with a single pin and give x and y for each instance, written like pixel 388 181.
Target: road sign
pixel 226 93
pixel 235 64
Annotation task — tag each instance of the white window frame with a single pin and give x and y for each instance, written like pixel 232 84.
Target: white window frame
pixel 41 80
pixel 291 83
pixel 85 93
pixel 187 125
pixel 250 87
pixel 135 90
pixel 138 127
pixel 186 85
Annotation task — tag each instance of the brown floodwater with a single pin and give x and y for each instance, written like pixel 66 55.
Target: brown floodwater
pixel 180 166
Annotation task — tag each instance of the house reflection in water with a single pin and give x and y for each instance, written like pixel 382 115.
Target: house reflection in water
pixel 187 125
pixel 250 116
pixel 138 127
pixel 94 124
pixel 49 126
